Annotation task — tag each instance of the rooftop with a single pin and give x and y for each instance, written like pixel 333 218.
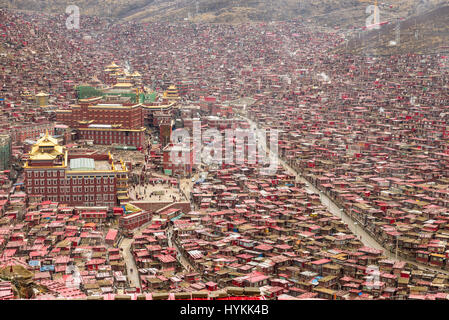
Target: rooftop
pixel 82 164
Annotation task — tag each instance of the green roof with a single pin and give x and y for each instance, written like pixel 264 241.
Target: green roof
pixel 89 92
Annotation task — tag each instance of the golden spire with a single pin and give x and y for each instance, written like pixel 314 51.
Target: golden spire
pixel 46 148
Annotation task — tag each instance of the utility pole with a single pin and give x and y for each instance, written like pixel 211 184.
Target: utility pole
pixel 397 240
pixel 398 31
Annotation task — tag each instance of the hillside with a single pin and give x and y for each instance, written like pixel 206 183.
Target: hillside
pixel 342 13
pixel 423 23
pixel 425 33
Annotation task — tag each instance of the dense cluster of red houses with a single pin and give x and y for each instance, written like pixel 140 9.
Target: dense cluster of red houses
pixel 370 132
pixel 66 250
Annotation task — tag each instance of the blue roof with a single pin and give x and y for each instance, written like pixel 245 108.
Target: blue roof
pixel 34 263
pixel 47 268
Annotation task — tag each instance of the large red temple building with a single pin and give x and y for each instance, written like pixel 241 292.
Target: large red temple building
pixel 106 123
pixel 74 178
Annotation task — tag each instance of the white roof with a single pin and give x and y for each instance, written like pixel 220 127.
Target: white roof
pixel 100 126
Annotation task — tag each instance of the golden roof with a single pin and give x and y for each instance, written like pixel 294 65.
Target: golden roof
pixel 85 121
pixel 46 148
pixel 112 65
pixel 123 84
pixel 136 74
pixel 171 93
pixel 41 94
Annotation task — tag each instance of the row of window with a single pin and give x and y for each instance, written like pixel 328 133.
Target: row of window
pixel 78 179
pixel 91 180
pixel 127 139
pixel 103 202
pixel 93 113
pixel 111 133
pixel 45 173
pixel 87 197
pixel 42 182
pixel 91 197
pixel 41 190
pixel 92 189
pixel 101 138
pixel 55 182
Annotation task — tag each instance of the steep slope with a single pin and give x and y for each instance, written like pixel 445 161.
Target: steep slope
pixel 341 13
pixel 424 33
pixel 422 28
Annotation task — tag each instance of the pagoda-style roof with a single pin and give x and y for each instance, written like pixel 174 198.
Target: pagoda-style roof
pixel 42 94
pixel 46 148
pixel 112 66
pixel 171 93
